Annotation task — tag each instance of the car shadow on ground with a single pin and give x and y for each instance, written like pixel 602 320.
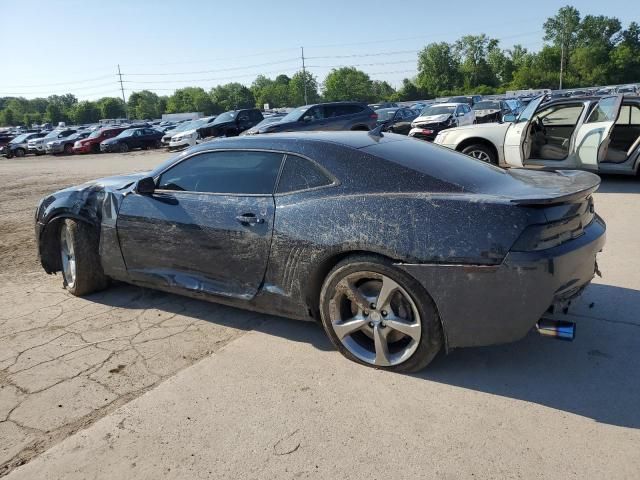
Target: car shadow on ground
pixel 619 184
pixel 596 376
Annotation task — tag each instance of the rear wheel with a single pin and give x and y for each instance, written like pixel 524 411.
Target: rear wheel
pixel 19 152
pixel 481 152
pixel 379 316
pixel 81 269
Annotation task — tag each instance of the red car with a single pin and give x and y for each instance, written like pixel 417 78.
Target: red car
pixel 91 144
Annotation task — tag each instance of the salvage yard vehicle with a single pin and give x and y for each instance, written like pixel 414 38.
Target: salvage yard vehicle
pixel 465 254
pixel 132 138
pixel 18 146
pixel 65 145
pixel 37 145
pixel 436 118
pixel 91 144
pixel 600 134
pixel 189 134
pixel 326 116
pixel 396 120
pixel 231 124
pixel 491 111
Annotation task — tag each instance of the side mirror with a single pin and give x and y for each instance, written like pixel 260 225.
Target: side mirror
pixel 146 186
pixel 461 114
pixel 509 117
pixel 307 119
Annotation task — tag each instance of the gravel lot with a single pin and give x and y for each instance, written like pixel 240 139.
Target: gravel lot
pixel 535 409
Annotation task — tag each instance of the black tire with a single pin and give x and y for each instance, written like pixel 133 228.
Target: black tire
pixel 478 147
pixel 38 154
pixel 431 339
pixel 68 149
pixel 19 152
pixel 123 148
pixel 157 144
pixel 89 276
pixel 95 148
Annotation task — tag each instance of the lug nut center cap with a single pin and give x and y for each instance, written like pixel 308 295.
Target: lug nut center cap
pixel 376 317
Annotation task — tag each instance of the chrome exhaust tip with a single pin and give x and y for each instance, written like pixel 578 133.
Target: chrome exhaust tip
pixel 560 329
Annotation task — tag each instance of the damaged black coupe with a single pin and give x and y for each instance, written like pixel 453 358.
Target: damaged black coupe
pixel 398 247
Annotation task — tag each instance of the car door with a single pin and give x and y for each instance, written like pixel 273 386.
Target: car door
pixel 516 138
pixel 314 118
pixel 207 227
pixel 594 135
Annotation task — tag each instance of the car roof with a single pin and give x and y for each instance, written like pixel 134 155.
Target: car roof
pixel 447 104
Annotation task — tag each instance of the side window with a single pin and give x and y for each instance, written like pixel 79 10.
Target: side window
pixel 300 174
pixel 243 117
pixel 564 115
pixel 629 115
pixel 255 115
pixel 314 113
pixel 233 172
pixel 467 108
pixel 149 131
pixel 635 115
pixel 604 111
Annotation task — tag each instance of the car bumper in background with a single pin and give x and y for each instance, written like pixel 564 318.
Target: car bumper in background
pixel 486 305
pixel 54 149
pixel 181 144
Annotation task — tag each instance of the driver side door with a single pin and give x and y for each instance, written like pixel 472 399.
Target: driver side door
pixel 207 226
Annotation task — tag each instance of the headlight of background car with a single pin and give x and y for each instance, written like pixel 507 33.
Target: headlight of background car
pixel 177 139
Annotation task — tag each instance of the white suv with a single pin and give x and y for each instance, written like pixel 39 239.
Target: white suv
pixel 441 116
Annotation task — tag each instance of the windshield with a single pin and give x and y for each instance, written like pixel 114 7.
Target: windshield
pixel 268 121
pixel 385 113
pixel 225 117
pixel 126 133
pixel 460 100
pixel 21 138
pixel 487 106
pixel 437 110
pixel 96 133
pixel 53 134
pixel 75 136
pixel 295 115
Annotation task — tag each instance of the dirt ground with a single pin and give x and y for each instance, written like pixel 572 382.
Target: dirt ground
pixel 569 409
pixel 66 361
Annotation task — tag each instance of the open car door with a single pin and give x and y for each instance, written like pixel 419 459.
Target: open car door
pixel 593 137
pixel 516 138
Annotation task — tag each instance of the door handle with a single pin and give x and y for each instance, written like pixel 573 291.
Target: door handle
pixel 249 219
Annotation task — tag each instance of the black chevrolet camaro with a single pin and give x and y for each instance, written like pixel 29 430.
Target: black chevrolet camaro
pixel 398 247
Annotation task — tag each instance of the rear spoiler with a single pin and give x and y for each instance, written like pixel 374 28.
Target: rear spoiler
pixel 582 185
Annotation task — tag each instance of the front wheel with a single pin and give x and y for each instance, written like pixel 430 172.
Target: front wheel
pixel 81 268
pixel 68 149
pixel 123 148
pixel 481 152
pixel 380 316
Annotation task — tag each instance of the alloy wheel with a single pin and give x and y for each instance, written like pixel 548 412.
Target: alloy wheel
pixel 375 319
pixel 68 256
pixel 480 155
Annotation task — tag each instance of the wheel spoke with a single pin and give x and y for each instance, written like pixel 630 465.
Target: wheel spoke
pixel 353 294
pixel 382 349
pixel 410 329
pixel 386 292
pixel 350 326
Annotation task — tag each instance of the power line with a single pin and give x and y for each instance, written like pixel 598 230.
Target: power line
pixel 61 83
pixel 210 79
pixel 289 60
pixel 48 93
pixel 397 52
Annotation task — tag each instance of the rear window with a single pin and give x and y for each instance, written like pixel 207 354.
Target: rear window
pixel 301 174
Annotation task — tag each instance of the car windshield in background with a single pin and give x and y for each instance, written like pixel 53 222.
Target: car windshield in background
pixel 459 100
pixel 268 121
pixel 487 106
pixel 20 138
pixel 74 136
pixel 225 117
pixel 96 133
pixel 386 113
pixel 437 110
pixel 52 135
pixel 294 115
pixel 126 133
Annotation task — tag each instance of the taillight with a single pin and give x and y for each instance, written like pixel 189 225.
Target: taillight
pixel 373 116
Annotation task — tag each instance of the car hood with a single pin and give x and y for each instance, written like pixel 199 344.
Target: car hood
pixel 481 127
pixel 110 141
pixel 184 133
pixel 489 111
pixel 432 118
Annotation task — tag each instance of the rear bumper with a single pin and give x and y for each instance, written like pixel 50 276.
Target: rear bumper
pixel 487 305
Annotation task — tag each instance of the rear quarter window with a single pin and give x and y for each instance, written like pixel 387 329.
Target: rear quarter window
pixel 301 174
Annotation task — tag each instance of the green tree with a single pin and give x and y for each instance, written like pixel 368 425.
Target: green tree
pixel 438 69
pixel 473 51
pixel 297 88
pixel 231 96
pixel 54 113
pixel 111 107
pixel 348 83
pixel 144 105
pixel 382 91
pixel 85 112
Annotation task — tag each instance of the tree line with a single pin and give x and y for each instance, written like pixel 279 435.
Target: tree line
pixel 593 50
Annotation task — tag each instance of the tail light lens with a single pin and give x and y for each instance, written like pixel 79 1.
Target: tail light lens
pixel 373 116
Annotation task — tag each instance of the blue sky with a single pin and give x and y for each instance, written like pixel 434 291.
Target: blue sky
pixel 54 47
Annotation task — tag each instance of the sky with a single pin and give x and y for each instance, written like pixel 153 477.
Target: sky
pixel 70 46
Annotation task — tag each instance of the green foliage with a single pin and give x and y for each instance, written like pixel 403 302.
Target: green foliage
pixel 348 83
pixel 232 96
pixel 85 112
pixel 144 105
pixel 111 107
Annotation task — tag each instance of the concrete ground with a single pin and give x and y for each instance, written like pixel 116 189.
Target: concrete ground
pixel 133 383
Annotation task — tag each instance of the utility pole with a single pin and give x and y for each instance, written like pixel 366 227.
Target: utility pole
pixel 122 90
pixel 304 78
pixel 562 50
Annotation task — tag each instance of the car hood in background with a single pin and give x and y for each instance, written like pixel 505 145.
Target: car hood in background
pixel 432 118
pixel 483 113
pixel 185 133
